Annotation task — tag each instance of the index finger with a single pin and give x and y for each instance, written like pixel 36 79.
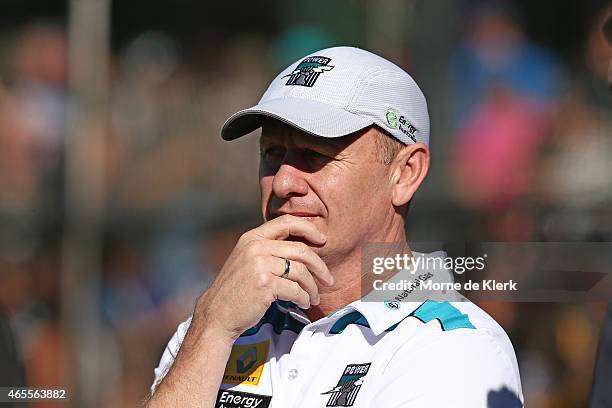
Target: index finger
pixel 289 225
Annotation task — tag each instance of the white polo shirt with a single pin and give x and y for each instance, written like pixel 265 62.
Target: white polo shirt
pixel 368 354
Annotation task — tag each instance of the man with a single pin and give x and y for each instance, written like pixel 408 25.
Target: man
pixel 344 147
pixel 601 394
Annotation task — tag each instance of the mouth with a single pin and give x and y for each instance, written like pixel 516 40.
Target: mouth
pixel 304 215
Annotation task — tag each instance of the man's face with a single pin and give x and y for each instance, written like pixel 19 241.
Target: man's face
pixel 337 184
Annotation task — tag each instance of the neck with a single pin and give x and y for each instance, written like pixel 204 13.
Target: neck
pixel 348 275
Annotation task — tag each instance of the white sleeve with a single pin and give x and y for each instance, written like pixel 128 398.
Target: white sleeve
pixel 459 369
pixel 170 353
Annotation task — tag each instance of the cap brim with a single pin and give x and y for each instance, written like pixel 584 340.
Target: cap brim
pixel 312 117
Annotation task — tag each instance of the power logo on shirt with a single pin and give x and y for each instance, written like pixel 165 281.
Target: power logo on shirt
pixel 345 393
pixel 246 363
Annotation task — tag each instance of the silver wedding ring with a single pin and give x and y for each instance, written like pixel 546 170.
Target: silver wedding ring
pixel 287 268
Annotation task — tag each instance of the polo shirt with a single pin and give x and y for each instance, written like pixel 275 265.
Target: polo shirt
pixel 368 354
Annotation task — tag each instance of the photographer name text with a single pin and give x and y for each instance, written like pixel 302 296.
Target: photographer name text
pixel 408 285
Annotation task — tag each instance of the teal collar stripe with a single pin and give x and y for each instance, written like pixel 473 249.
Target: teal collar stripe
pixel 279 320
pixel 354 318
pixel 349 318
pixel 450 317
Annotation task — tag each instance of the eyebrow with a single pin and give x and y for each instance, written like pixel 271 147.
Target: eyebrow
pixel 338 143
pixel 326 142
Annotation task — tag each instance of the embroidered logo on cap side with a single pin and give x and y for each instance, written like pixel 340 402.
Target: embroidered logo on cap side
pixel 345 393
pixel 391 117
pixel 307 71
pixel 395 121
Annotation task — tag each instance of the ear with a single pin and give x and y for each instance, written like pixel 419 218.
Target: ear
pixel 409 170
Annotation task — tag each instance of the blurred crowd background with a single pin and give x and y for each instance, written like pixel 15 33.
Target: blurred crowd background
pixel 110 230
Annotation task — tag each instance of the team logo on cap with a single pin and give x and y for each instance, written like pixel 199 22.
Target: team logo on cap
pixel 307 71
pixel 345 393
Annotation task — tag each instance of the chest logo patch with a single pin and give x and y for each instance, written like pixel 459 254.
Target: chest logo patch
pixel 345 392
pixel 245 364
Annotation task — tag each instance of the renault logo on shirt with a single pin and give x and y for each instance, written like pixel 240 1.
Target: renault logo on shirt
pixel 246 363
pixel 246 360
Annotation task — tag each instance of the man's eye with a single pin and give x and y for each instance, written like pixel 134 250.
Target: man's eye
pixel 272 154
pixel 316 155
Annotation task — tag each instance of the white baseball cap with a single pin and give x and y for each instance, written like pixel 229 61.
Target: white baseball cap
pixel 338 91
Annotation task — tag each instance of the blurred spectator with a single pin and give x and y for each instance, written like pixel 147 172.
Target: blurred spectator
pixel 166 125
pixel 495 149
pixel 41 69
pixel 575 343
pixel 576 167
pixel 601 395
pixel 495 52
pixel 575 174
pixel 20 166
pixel 30 294
pixel 11 372
pixel 504 95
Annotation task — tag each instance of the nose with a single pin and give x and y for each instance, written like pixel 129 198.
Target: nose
pixel 289 180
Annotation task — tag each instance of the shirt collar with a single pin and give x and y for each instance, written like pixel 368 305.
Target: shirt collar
pixel 382 315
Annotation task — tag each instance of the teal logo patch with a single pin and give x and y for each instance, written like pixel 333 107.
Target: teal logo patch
pixel 308 71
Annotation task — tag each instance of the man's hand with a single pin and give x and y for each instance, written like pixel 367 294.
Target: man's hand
pixel 248 283
pixel 250 279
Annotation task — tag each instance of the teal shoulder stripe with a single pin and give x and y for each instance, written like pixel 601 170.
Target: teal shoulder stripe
pixel 350 318
pixel 450 317
pixel 280 321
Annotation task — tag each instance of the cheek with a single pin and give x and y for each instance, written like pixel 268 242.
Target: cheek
pixel 359 200
pixel 345 198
